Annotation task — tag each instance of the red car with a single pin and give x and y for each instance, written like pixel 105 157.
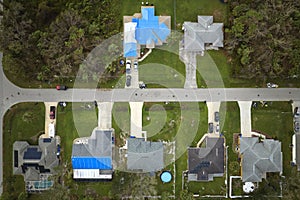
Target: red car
pixel 61 87
pixel 52 112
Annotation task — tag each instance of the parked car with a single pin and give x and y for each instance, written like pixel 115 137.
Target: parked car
pixel 297 112
pixel 61 87
pixel 210 127
pixel 142 86
pixel 128 80
pixel 128 66
pixel 135 65
pixel 52 112
pixel 217 128
pixel 272 85
pixel 297 126
pixel 217 117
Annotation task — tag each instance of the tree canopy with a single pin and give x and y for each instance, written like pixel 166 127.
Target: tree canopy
pixel 263 37
pixel 48 39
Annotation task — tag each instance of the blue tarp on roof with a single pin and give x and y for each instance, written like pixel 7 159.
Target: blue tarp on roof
pixel 91 163
pixel 130 50
pixel 148 29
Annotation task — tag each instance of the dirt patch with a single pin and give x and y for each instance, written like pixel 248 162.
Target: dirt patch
pixel 218 16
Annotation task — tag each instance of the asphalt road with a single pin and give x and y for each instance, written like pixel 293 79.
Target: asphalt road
pixel 11 94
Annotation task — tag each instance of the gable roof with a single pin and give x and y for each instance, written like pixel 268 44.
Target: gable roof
pixel 144 155
pixel 205 163
pixel 96 153
pixel 258 158
pixel 197 34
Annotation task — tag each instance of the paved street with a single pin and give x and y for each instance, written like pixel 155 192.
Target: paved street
pixel 11 94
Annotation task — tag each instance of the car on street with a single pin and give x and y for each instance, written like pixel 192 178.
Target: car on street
pixel 217 116
pixel 272 85
pixel 128 66
pixel 135 65
pixel 61 87
pixel 210 127
pixel 128 80
pixel 52 112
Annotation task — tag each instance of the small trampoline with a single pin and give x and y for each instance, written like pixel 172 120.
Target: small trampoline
pixel 166 177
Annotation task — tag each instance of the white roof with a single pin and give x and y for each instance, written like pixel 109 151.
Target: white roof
pixel 90 174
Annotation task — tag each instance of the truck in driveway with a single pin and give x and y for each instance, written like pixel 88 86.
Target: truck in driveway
pixel 52 112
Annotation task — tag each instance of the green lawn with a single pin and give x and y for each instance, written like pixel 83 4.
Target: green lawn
pixel 162 68
pixel 216 187
pixel 277 121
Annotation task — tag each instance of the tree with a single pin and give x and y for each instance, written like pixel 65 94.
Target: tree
pixel 185 195
pixel 262 37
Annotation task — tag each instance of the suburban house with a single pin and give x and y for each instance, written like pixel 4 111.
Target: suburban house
pixel 202 35
pixel 205 163
pixel 296 150
pixel 144 156
pixel 144 29
pixel 92 156
pixel 36 163
pixel 259 157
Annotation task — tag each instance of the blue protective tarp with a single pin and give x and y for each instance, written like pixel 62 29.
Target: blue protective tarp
pixel 130 50
pixel 91 163
pixel 148 29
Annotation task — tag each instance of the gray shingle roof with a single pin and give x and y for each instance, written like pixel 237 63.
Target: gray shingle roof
pixel 99 145
pixel 258 158
pixel 48 160
pixel 144 156
pixel 205 163
pixel 197 34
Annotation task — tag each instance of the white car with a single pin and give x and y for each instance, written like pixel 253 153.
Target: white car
pixel 272 85
pixel 135 64
pixel 217 128
pixel 128 66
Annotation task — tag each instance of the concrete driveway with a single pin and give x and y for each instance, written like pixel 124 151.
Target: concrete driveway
pixel 105 115
pixel 190 61
pixel 212 108
pixel 136 116
pixel 47 118
pixel 245 117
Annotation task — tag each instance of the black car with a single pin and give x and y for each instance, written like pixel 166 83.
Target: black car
pixel 296 112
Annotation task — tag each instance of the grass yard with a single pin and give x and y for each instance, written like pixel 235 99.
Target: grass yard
pixel 23 121
pixel 162 68
pixel 277 121
pixel 216 187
